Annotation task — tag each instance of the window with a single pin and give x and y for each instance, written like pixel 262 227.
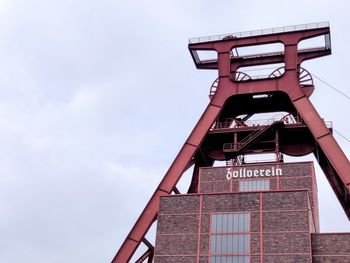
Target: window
pixel 254 185
pixel 229 240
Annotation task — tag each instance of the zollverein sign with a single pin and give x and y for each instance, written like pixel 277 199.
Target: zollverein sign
pixel 243 172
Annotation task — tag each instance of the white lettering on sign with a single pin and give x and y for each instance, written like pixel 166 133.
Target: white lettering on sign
pixel 249 173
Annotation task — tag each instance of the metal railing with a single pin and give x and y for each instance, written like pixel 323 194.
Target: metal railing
pixel 259 32
pixel 251 123
pixel 239 145
pixel 262 128
pixel 198 60
pixel 260 161
pixel 286 118
pixel 266 122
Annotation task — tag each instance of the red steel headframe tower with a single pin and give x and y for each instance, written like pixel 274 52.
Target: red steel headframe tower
pixel 234 98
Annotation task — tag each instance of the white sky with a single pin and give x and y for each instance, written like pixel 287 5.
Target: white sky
pixel 96 99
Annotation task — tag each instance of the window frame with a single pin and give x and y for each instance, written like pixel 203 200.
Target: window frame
pixel 235 232
pixel 254 180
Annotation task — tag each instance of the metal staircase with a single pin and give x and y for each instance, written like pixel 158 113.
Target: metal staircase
pixel 261 129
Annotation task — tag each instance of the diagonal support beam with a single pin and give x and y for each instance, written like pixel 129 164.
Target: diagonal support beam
pixel 176 170
pixel 324 138
pixel 148 254
pixel 334 162
pixel 176 190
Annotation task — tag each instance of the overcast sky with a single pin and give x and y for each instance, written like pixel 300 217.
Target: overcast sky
pixel 96 99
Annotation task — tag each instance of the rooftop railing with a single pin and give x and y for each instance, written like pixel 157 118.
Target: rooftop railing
pixel 286 118
pixel 261 32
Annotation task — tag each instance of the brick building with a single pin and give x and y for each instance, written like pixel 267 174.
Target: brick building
pixel 248 213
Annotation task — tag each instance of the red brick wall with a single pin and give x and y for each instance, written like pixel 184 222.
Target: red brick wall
pixel 331 248
pixel 285 230
pixel 177 229
pixel 295 176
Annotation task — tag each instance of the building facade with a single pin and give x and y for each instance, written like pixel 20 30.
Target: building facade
pixel 248 213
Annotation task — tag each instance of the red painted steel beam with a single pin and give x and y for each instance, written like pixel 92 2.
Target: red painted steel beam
pixel 325 139
pixel 302 56
pixel 147 255
pixel 341 192
pixel 254 61
pixel 265 59
pixel 178 167
pixel 176 190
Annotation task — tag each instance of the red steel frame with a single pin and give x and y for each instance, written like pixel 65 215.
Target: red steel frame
pixel 332 159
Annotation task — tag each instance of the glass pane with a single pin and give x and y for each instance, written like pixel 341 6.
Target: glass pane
pixel 235 244
pixel 247 216
pixel 230 223
pixel 212 259
pixel 219 223
pixel 246 243
pixel 213 223
pixel 242 186
pixel 224 244
pixel 224 223
pixel 213 244
pixel 246 222
pixel 240 244
pixel 230 259
pixel 235 223
pixel 241 222
pixel 218 245
pixel 229 244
